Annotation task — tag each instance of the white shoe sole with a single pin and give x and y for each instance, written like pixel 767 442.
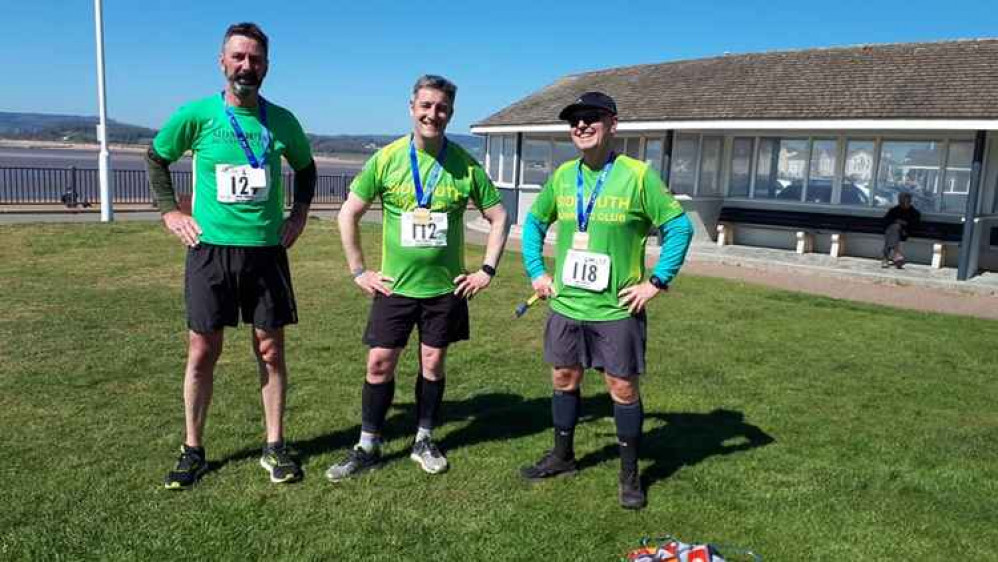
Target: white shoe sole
pixel 271 472
pixel 419 460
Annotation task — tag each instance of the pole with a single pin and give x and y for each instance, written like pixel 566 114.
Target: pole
pixel 967 248
pixel 103 160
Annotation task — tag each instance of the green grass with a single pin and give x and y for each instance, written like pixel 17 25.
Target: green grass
pixel 803 427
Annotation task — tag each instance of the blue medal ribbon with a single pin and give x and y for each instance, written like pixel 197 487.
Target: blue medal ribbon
pixel 241 136
pixel 580 184
pixel 423 197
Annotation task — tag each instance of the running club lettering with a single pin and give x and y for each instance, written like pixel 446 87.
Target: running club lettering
pixel 609 209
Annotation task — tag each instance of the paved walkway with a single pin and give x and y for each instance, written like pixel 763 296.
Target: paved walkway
pixel 917 287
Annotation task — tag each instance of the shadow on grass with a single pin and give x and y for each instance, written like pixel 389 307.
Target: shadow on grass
pixel 685 439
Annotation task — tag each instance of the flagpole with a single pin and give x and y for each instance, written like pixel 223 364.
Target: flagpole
pixel 103 160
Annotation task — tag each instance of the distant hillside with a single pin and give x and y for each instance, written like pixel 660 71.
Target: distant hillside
pixel 77 128
pixel 68 128
pixel 367 144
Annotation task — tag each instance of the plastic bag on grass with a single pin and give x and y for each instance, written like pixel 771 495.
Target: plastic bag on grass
pixel 670 549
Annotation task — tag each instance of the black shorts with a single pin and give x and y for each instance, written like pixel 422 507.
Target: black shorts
pixel 616 347
pixel 223 281
pixel 441 320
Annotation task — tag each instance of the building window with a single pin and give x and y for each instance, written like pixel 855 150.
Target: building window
pixel 508 157
pixel 741 167
pixel 564 151
pixel 781 168
pixel 631 146
pixel 683 168
pixel 495 147
pixel 857 179
pixel 956 184
pixel 909 167
pixel 710 166
pixel 821 174
pixel 653 154
pixel 536 161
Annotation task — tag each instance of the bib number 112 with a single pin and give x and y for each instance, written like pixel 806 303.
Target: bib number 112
pixel 424 232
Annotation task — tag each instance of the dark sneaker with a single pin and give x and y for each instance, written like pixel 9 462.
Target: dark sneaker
pixel 281 466
pixel 191 466
pixel 899 264
pixel 629 491
pixel 429 457
pixel 357 462
pixel 549 466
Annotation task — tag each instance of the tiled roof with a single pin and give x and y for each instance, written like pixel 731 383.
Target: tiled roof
pixel 944 80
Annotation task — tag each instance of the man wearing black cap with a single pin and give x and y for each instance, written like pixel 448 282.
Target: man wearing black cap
pixel 603 205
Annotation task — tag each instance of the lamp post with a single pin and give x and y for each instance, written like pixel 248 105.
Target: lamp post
pixel 103 160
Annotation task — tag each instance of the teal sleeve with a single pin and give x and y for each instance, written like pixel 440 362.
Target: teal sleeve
pixel 677 233
pixel 532 246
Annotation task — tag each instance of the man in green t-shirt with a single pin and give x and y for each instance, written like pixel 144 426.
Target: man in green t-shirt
pixel 237 238
pixel 424 183
pixel 603 205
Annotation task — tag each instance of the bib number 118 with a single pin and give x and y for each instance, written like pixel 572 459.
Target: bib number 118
pixel 585 271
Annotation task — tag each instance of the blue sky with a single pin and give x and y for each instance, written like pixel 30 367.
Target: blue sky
pixel 347 67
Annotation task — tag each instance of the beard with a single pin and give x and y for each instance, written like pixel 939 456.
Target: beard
pixel 245 84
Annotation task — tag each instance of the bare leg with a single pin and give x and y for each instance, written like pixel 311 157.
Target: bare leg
pixel 203 351
pixel 268 345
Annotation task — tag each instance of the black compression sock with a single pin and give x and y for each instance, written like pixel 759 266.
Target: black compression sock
pixel 565 406
pixel 375 401
pixel 429 397
pixel 629 419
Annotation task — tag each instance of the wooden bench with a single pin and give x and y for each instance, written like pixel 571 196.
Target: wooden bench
pixel 805 225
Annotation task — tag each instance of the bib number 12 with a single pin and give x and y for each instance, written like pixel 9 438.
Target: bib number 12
pixel 240 186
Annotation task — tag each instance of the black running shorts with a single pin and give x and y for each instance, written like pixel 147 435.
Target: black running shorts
pixel 616 347
pixel 223 282
pixel 441 320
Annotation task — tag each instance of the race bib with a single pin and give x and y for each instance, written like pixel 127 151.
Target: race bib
pixel 424 230
pixel 586 270
pixel 242 183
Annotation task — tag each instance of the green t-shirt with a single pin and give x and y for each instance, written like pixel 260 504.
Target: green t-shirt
pixel 423 272
pixel 633 200
pixel 203 127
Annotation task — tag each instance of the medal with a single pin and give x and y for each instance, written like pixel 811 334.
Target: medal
pixel 580 241
pixel 420 215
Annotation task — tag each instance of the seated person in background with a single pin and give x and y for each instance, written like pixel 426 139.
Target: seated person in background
pixel 898 222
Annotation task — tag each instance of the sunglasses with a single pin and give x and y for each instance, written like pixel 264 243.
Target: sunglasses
pixel 587 116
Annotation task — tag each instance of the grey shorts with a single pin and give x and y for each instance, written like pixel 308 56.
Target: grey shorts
pixel 616 347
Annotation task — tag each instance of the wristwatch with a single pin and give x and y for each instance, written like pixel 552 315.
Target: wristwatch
pixel 358 272
pixel 489 270
pixel 657 282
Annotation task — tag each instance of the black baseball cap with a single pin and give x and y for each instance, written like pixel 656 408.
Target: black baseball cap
pixel 589 100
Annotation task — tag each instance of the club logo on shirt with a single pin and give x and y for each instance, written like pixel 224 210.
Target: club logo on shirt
pixel 404 195
pixel 609 209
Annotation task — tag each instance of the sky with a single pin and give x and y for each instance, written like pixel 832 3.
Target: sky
pixel 347 67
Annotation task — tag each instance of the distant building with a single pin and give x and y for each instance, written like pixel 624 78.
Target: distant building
pixel 833 135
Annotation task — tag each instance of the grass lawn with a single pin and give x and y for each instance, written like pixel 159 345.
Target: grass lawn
pixel 802 427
